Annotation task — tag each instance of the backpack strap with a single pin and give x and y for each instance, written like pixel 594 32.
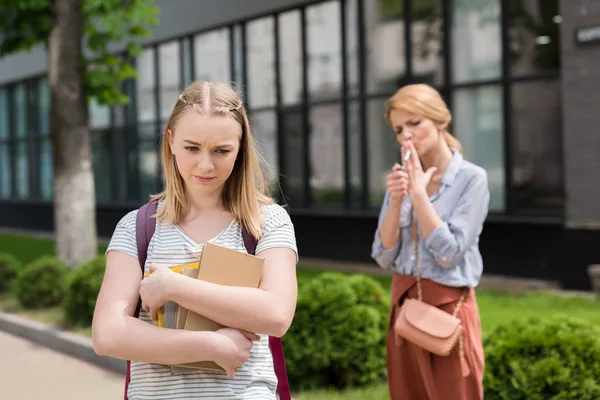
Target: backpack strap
pixel 145 225
pixel 275 344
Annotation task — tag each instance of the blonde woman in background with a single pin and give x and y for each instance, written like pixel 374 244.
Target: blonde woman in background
pixel 438 202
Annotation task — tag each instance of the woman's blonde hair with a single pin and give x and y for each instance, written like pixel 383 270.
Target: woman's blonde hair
pixel 245 189
pixel 423 100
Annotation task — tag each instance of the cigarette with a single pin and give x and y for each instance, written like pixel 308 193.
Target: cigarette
pixel 407 155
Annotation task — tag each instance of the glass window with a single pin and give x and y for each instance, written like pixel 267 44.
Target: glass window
pixel 148 169
pixel 326 155
pixel 352 46
pixel 478 125
pixel 260 54
pixel 476 40
pixel 99 115
pixel 427 42
pixel 293 162
pixel 22 153
pixel 4 114
pixel 44 104
pixel 536 146
pixel 264 129
pixel 354 123
pixel 383 150
pixel 146 102
pixel 101 159
pixel 212 56
pixel 324 49
pixel 186 53
pixel 5 159
pixel 238 54
pixel 5 171
pixel 385 45
pixel 47 170
pixel 534 36
pixel 170 77
pixel 290 57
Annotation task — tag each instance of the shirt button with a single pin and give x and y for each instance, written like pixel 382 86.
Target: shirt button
pixel 412 258
pixel 443 258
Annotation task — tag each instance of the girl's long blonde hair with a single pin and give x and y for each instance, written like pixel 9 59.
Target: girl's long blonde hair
pixel 245 190
pixel 423 100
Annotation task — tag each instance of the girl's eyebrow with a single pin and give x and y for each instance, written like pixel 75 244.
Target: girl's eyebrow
pixel 192 142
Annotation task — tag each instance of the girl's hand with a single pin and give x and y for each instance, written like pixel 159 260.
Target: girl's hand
pixel 397 183
pixel 233 348
pixel 155 289
pixel 417 178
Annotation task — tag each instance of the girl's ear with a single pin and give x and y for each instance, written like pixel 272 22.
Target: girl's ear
pixel 170 139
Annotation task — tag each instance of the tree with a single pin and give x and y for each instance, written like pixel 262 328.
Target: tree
pixel 77 35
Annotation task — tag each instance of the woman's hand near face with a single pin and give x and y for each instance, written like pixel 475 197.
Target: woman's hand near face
pixel 417 178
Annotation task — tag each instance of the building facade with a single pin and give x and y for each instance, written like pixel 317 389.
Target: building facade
pixel 520 77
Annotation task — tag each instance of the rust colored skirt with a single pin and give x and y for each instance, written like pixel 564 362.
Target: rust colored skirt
pixel 416 374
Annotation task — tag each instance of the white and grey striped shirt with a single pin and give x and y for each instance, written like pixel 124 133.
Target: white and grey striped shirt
pixel 170 245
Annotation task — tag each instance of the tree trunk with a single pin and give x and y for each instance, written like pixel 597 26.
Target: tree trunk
pixel 74 196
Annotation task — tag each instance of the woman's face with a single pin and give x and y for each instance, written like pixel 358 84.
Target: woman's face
pixel 205 149
pixel 422 132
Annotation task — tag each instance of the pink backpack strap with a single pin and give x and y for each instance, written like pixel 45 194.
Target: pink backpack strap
pixel 275 344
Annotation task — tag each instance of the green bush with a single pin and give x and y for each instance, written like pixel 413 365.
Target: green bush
pixel 81 291
pixel 9 267
pixel 339 332
pixel 41 283
pixel 534 360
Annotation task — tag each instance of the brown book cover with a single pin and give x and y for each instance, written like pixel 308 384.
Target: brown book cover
pixel 222 266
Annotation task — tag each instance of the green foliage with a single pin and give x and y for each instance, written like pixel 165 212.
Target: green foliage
pixel 556 359
pixel 339 332
pixel 82 288
pixel 41 283
pixel 106 23
pixel 9 267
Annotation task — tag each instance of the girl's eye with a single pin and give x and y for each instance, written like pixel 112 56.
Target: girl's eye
pixel 415 123
pixel 191 148
pixel 222 151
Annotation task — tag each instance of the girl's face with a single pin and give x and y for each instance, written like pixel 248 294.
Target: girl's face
pixel 205 150
pixel 422 132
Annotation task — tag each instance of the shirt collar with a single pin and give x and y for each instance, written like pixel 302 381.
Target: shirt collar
pixel 453 168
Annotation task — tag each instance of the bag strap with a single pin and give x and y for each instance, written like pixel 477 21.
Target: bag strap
pixel 415 236
pixel 275 344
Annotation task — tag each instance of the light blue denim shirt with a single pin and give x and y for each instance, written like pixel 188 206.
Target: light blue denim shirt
pixel 450 256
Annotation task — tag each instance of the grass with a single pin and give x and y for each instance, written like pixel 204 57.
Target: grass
pixel 496 308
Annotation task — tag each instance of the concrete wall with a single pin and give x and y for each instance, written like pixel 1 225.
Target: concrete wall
pixel 581 117
pixel 178 17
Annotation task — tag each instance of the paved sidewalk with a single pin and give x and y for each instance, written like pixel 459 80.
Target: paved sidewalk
pixel 29 371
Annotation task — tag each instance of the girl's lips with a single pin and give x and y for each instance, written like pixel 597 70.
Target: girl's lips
pixel 204 179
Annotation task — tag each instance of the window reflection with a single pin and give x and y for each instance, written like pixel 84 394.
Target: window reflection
pixel 534 36
pixel 352 38
pixel 385 45
pixel 536 139
pixel 324 49
pixel 326 155
pixel 476 40
pixel 22 157
pixel 211 56
pixel 260 45
pixel 5 159
pixel 427 42
pixel 146 102
pixel 170 78
pixel 99 115
pixel 264 129
pixel 101 161
pixel 290 53
pixel 293 162
pixel 478 125
pixel 382 150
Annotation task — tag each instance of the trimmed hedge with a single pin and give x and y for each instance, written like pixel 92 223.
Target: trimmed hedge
pixel 535 359
pixel 9 268
pixel 338 334
pixel 41 283
pixel 82 288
